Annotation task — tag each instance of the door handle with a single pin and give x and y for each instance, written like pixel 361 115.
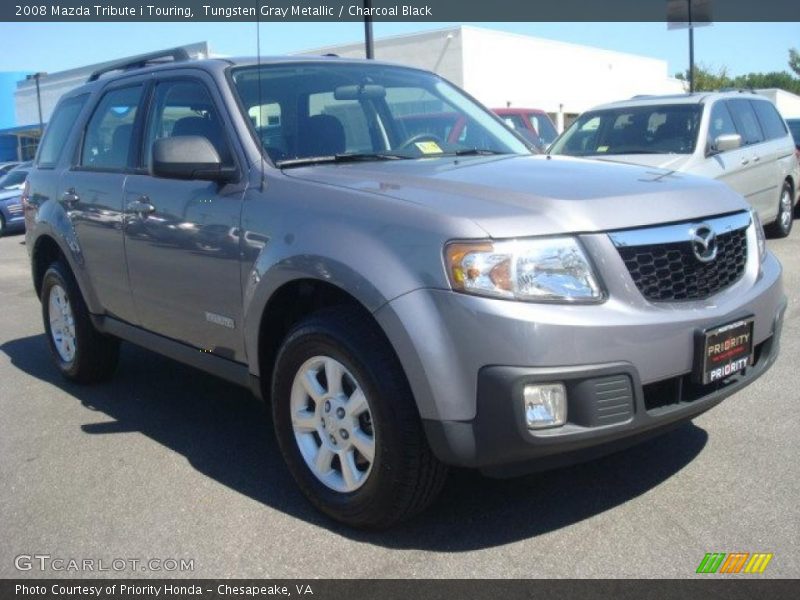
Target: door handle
pixel 756 158
pixel 70 198
pixel 141 206
pixel 745 161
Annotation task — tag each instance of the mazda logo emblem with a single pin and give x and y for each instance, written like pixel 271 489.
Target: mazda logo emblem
pixel 704 243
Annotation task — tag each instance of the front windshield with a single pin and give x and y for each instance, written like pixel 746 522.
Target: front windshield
pixel 13 179
pixel 656 129
pixel 315 110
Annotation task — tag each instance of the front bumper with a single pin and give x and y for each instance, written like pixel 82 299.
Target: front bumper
pixel 608 409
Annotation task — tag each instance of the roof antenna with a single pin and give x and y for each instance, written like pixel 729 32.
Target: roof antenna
pixel 260 103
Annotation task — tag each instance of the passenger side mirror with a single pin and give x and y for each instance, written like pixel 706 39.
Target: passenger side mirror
pixel 725 142
pixel 189 157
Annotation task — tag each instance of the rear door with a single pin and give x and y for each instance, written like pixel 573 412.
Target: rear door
pixel 183 248
pixel 757 169
pixel 777 151
pixel 91 192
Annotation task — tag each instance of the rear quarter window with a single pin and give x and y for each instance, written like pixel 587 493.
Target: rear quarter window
pixel 58 129
pixel 770 119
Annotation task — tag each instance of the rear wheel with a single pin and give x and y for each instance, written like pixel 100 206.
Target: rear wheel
pixel 782 226
pixel 2 225
pixel 80 352
pixel 347 423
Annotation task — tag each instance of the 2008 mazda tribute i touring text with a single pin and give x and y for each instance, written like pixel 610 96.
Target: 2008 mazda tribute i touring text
pixel 405 302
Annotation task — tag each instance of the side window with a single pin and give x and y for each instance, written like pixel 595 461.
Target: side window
pixel 746 122
pixel 55 137
pixel 185 108
pixel 770 119
pixel 107 140
pixel 721 123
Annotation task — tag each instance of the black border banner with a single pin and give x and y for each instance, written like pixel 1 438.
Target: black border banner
pixel 704 586
pixel 385 10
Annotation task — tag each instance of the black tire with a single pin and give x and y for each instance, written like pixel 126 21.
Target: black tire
pixel 782 226
pixel 95 355
pixel 2 225
pixel 405 476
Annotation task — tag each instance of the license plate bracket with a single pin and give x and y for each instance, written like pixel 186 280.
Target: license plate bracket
pixel 723 350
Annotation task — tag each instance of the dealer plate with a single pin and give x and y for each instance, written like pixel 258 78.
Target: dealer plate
pixel 724 351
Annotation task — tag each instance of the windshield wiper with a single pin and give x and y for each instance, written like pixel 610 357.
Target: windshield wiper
pixel 339 158
pixel 477 152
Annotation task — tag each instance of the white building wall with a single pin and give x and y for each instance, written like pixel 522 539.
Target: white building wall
pixel 788 104
pixel 503 68
pixel 438 51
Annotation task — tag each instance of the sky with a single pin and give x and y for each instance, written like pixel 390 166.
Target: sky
pixel 51 47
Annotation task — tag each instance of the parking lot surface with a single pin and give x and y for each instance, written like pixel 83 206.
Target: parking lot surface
pixel 165 462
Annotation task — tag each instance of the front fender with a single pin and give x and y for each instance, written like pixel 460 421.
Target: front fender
pixel 52 221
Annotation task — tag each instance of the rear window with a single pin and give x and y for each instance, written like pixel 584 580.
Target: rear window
pixel 771 121
pixel 55 136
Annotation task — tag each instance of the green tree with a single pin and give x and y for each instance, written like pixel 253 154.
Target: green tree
pixel 794 61
pixel 706 80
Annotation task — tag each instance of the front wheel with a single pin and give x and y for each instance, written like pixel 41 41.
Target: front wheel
pixel 347 424
pixel 80 352
pixel 782 226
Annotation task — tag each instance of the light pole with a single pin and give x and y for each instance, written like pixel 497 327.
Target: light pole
pixel 368 29
pixel 689 14
pixel 36 77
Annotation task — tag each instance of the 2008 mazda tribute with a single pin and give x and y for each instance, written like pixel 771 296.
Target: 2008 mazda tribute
pixel 405 301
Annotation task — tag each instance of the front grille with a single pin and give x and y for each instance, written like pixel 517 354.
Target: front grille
pixel 666 272
pixel 14 209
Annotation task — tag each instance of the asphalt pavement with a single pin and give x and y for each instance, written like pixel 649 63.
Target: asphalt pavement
pixel 166 463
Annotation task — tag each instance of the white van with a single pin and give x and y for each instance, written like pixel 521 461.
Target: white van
pixel 738 138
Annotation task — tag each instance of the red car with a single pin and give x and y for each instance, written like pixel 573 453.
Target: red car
pixel 531 123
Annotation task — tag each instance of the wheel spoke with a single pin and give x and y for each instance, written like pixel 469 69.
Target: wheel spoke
pixel 322 462
pixel 304 420
pixel 364 444
pixel 333 375
pixel 357 403
pixel 350 473
pixel 312 386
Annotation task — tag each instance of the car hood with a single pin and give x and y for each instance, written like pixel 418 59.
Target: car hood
pixel 672 162
pixel 511 196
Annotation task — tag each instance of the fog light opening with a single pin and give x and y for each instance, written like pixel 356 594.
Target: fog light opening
pixel 545 405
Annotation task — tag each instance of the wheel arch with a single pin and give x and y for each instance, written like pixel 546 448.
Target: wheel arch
pixel 291 302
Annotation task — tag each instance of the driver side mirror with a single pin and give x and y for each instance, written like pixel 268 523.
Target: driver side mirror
pixel 189 157
pixel 725 142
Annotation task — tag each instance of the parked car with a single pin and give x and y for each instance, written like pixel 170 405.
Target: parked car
pixel 738 138
pixel 5 167
pixel 11 211
pixel 533 124
pixel 405 301
pixel 794 128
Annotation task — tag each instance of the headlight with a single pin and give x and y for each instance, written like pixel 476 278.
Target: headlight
pixel 760 237
pixel 543 270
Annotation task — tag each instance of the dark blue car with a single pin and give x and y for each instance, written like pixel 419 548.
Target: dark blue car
pixel 12 217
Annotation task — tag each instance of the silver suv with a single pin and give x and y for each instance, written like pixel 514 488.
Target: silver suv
pixel 738 138
pixel 405 301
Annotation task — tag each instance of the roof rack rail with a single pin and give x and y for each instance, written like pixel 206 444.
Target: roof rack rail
pixel 140 61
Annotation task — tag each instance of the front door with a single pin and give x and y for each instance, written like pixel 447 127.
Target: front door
pixel 181 236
